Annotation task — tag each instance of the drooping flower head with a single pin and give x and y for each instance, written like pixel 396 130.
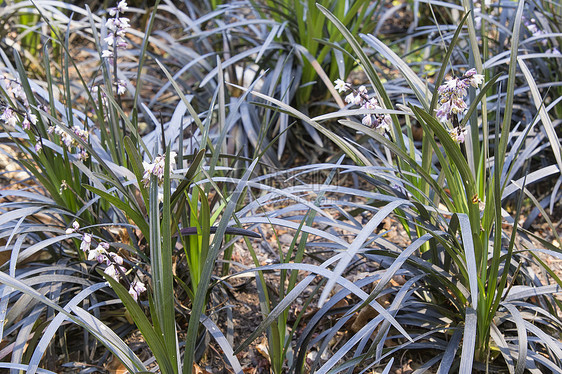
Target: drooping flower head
pixel 156 168
pixel 452 93
pixel 378 121
pixel 116 27
pixel 114 272
pixel 136 289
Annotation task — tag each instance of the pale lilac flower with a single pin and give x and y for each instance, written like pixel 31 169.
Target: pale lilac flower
pixel 379 121
pixel 86 242
pixel 113 272
pixel 32 118
pixel 81 133
pixel 156 168
pixel 75 227
pixel 68 140
pixel 477 18
pixel 83 155
pixel 9 117
pixel 120 42
pixel 38 147
pixel 25 124
pixel 341 86
pixel 136 289
pixel 17 90
pixel 122 6
pixel 28 121
pixel 95 91
pixel 354 99
pixel 535 30
pixel 117 28
pixel 350 98
pixel 117 24
pixel 443 111
pixel 99 254
pixel 458 105
pixel 452 93
pixel 473 78
pixel 121 87
pixel 458 134
pixel 116 258
pixel 110 39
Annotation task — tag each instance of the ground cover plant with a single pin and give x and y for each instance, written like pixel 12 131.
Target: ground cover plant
pixel 161 211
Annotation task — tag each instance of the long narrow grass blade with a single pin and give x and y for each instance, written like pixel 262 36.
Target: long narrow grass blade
pixel 366 64
pixel 415 83
pixel 161 263
pixel 450 352
pixel 223 343
pixel 545 118
pixel 521 338
pixel 469 340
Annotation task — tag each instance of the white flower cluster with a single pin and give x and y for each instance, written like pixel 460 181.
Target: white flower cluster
pixel 102 255
pixel 379 121
pixel 10 115
pixel 451 100
pixel 69 141
pixel 116 27
pixel 156 168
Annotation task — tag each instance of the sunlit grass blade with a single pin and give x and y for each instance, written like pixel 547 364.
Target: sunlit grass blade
pixel 161 263
pixel 545 118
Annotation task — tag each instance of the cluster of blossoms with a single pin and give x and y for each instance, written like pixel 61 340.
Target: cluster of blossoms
pixel 69 141
pixel 156 168
pixel 116 27
pixel 102 255
pixel 451 101
pixel 379 121
pixel 10 115
pixel 534 29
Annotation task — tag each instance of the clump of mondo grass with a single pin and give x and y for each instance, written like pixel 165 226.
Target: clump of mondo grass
pixel 472 277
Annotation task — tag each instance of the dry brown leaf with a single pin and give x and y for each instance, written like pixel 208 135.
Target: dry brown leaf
pixel 116 367
pixel 199 370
